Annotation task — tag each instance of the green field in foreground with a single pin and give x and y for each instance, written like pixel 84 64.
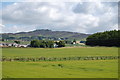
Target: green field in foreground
pixel 61 69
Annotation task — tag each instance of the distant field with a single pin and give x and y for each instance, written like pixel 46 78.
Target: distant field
pixel 60 52
pixel 61 69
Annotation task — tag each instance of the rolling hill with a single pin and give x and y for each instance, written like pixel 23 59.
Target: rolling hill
pixel 45 34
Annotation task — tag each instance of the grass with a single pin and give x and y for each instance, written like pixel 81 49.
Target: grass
pixel 61 69
pixel 60 52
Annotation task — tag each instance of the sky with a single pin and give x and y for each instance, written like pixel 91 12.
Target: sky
pixel 82 17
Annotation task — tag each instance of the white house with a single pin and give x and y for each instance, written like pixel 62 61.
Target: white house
pixel 55 45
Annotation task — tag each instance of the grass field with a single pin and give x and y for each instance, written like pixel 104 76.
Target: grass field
pixel 69 69
pixel 60 52
pixel 61 69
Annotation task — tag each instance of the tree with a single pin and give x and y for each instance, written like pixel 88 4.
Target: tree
pixel 107 38
pixel 74 41
pixel 68 41
pixel 3 39
pixel 18 42
pixel 42 44
pixel 51 44
pixel 61 44
pixel 35 43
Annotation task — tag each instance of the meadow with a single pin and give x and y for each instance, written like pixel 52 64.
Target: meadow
pixel 60 69
pixel 60 52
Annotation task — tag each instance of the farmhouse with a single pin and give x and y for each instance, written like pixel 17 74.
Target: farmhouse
pixel 23 45
pixel 12 45
pixel 55 45
pixel 3 45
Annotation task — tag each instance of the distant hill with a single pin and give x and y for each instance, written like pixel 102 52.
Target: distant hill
pixel 45 34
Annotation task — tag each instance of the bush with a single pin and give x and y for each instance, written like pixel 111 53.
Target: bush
pixel 42 44
pixel 18 42
pixel 61 44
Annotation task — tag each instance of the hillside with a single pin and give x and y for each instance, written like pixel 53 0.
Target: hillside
pixel 45 34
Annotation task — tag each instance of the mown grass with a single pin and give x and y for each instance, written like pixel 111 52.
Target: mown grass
pixel 60 52
pixel 61 69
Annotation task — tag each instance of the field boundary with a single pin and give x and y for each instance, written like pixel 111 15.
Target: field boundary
pixel 24 59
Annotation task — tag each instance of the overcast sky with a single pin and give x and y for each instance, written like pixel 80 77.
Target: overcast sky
pixel 83 17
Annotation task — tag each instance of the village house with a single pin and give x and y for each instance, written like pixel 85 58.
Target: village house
pixel 55 45
pixel 12 45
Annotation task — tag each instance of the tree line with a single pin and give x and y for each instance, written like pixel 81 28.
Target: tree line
pixel 107 38
pixel 46 44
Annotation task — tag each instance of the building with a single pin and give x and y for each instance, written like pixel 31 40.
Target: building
pixel 12 45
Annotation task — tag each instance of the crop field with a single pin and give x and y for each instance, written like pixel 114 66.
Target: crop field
pixel 103 68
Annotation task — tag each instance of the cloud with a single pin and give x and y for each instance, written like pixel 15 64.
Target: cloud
pixel 84 17
pixel 1 26
pixel 16 28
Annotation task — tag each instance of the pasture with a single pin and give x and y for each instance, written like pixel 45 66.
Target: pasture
pixel 60 69
pixel 60 52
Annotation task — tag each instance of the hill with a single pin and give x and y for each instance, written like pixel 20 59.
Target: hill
pixel 42 34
